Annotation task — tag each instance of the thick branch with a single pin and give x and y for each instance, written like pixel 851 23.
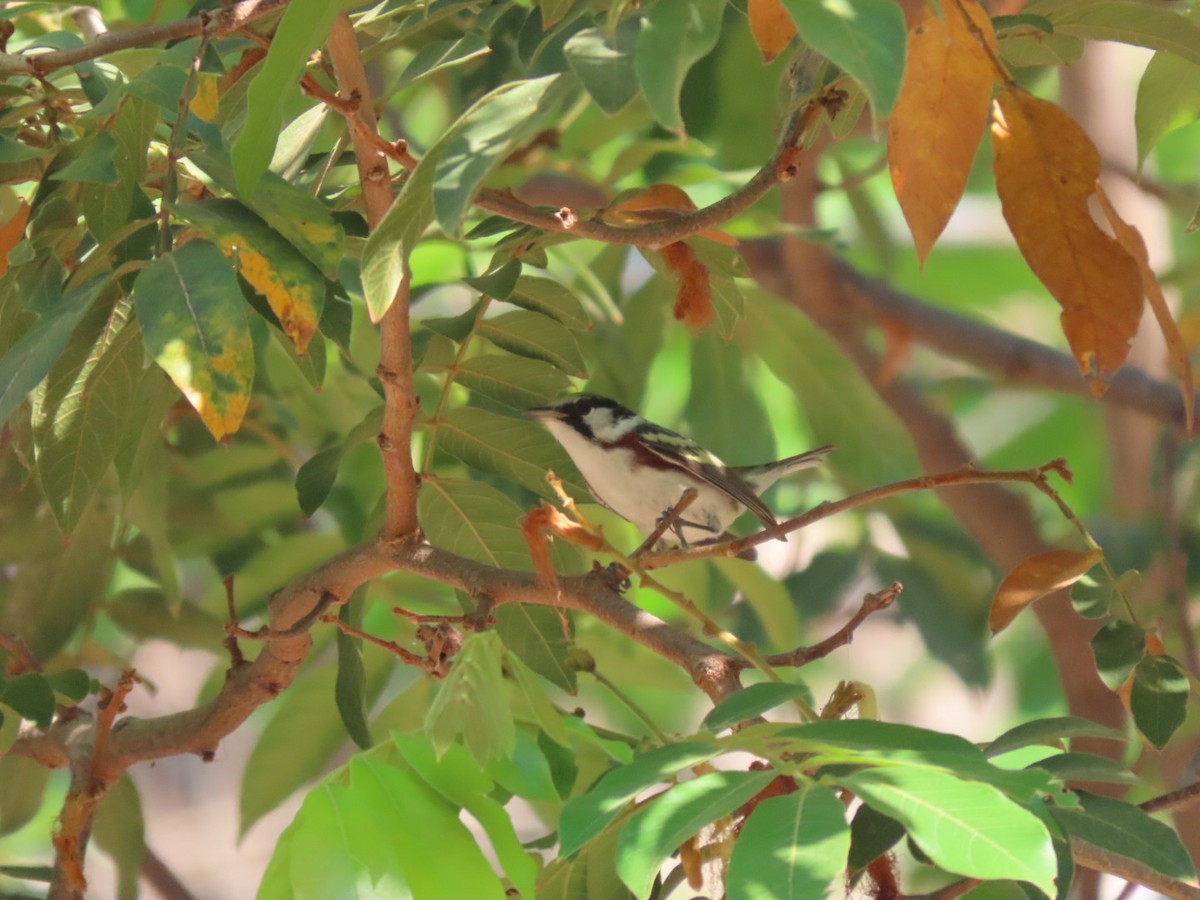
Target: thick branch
pixel 215 25
pixel 1092 857
pixel 395 354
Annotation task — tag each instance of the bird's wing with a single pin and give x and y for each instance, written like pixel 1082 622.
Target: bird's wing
pixel 682 451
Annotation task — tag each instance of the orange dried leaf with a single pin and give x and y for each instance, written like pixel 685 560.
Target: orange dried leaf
pixel 693 294
pixel 1154 644
pixel 772 27
pixel 656 203
pixel 1046 169
pixel 1045 172
pixel 1131 239
pixel 1035 578
pixel 534 527
pixel 11 233
pixel 940 116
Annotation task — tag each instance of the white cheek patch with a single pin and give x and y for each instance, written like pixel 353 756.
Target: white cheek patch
pixel 606 427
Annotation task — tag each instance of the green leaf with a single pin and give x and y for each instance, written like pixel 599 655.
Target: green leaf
pixel 1168 97
pixel 1086 767
pixel 93 162
pixel 435 56
pixel 675 36
pixel 657 829
pixel 844 408
pixel 194 325
pixel 350 687
pixel 29 360
pixel 303 28
pixel 1123 829
pixel 484 136
pixel 1159 698
pixel 791 848
pixel 536 336
pixel 591 873
pixel 120 831
pixel 472 702
pixel 1049 731
pixel 74 684
pixel 586 816
pixel 107 208
pixel 278 271
pixel 1118 647
pixel 81 416
pixel 544 712
pixel 965 827
pixel 603 62
pixel 527 774
pixel 537 634
pixel 498 283
pixel 30 695
pixel 457 777
pixel 302 219
pixel 547 296
pixel 1156 27
pixel 303 734
pixel 724 412
pixel 315 478
pixel 473 520
pixel 387 250
pixel 516 449
pixel 864 38
pixel 22 787
pixel 729 304
pixel 750 701
pixel 513 380
pixel 872 834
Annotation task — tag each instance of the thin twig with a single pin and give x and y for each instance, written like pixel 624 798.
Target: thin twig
pixel 22 658
pixel 1171 799
pixel 964 476
pixel 405 656
pixel 236 659
pixel 218 24
pixel 175 144
pixel 667 522
pixel 872 603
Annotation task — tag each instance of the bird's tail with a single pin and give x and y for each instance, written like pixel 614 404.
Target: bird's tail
pixel 762 477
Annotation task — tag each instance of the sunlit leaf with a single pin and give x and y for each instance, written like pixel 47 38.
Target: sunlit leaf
pixel 1118 647
pixel 472 702
pixel 194 325
pixel 935 129
pixel 674 37
pixel 1036 577
pixel 1121 828
pixel 1046 169
pixel 792 847
pixel 1158 699
pixel 291 284
pixel 603 61
pixel 863 37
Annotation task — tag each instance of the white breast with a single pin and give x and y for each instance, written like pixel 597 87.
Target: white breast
pixel 642 494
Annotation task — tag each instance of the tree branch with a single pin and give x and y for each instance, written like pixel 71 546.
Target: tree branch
pixel 395 355
pixel 218 24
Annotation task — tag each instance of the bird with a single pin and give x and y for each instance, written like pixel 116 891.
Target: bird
pixel 640 470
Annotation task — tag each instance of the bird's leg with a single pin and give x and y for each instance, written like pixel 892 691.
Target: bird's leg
pixel 668 521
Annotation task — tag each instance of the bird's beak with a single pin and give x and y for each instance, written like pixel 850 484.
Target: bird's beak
pixel 543 413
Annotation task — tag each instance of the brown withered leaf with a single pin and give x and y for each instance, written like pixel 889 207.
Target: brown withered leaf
pixel 656 203
pixel 1046 169
pixel 11 233
pixel 1036 577
pixel 772 27
pixel 693 293
pixel 935 129
pixel 1131 239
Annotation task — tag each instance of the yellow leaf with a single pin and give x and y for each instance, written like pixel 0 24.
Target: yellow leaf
pixel 1046 169
pixel 1131 239
pixel 772 27
pixel 207 99
pixel 939 118
pixel 1035 578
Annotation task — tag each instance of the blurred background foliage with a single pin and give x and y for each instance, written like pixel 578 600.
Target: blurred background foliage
pixel 119 549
